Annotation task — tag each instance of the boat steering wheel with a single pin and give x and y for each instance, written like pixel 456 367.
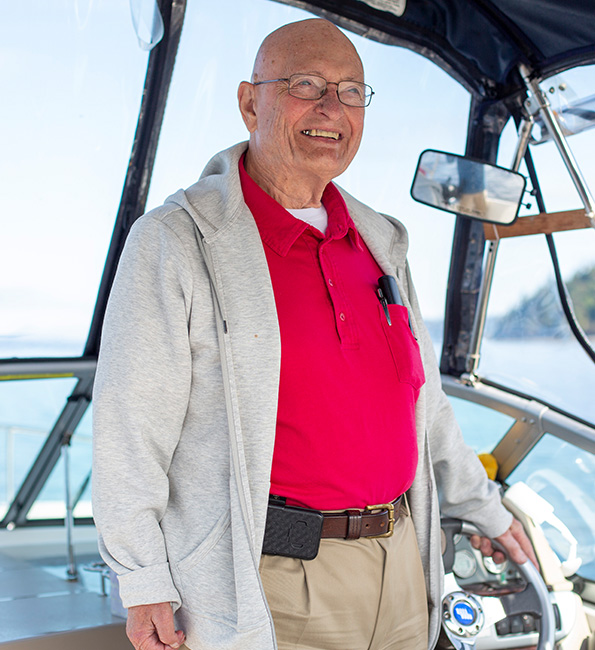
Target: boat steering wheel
pixel 464 615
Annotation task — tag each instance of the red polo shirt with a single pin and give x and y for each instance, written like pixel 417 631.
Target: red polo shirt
pixel 349 382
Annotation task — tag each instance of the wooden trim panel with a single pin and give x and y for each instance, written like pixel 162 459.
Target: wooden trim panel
pixel 543 223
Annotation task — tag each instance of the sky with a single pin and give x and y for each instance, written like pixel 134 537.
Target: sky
pixel 73 73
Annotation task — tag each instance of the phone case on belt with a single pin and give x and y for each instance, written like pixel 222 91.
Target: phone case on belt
pixel 292 532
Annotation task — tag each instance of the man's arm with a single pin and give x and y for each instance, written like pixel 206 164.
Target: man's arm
pixel 139 404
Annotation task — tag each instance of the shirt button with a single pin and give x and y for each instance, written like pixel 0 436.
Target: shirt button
pixel 330 282
pixel 342 316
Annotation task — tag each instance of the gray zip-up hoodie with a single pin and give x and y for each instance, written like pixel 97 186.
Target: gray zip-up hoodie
pixel 185 406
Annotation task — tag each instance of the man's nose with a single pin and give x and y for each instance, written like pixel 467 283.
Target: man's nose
pixel 330 98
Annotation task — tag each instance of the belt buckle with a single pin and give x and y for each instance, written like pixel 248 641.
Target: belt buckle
pixel 391 518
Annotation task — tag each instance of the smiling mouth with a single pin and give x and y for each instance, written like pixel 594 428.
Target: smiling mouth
pixel 319 133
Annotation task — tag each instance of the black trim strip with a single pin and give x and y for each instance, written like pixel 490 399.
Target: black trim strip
pixel 142 157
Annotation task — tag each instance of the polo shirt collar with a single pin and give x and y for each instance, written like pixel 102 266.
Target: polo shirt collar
pixel 280 230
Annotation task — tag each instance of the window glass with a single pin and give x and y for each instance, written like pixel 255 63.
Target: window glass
pixel 83 506
pixel 528 343
pixel 564 476
pixel 28 411
pixel 416 106
pixel 482 427
pixel 72 76
pixel 51 502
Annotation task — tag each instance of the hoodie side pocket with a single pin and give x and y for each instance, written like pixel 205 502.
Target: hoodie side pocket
pixel 207 577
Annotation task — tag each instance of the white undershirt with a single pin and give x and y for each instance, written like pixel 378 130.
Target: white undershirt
pixel 316 217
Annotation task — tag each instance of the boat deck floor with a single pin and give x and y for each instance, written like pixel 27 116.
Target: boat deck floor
pixel 41 609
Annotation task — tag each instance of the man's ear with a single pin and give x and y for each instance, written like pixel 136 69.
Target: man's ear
pixel 246 104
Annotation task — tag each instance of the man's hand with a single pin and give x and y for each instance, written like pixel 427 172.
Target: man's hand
pixel 514 541
pixel 151 627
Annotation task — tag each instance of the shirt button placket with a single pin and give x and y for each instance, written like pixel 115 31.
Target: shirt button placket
pixel 335 295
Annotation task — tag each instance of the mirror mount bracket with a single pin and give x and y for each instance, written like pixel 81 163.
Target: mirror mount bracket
pixel 538 103
pixel 479 319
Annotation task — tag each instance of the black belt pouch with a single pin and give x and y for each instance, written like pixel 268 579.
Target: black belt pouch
pixel 292 532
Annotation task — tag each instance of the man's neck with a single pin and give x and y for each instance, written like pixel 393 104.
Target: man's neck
pixel 290 191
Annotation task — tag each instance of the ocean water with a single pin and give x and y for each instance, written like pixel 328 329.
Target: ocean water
pixel 558 371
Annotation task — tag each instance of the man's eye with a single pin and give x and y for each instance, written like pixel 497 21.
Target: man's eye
pixel 304 83
pixel 307 84
pixel 356 91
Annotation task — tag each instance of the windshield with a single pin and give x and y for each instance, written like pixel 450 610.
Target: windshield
pixel 28 411
pixel 74 74
pixel 568 486
pixel 528 344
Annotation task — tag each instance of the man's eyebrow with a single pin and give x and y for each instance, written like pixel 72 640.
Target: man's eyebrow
pixel 315 72
pixel 319 74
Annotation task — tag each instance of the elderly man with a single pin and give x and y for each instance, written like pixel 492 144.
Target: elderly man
pixel 248 352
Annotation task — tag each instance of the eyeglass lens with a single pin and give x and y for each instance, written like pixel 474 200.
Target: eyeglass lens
pixel 351 93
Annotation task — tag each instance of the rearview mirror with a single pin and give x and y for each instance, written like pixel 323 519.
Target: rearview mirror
pixel 468 187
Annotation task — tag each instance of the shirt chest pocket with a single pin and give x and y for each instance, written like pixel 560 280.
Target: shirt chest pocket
pixel 403 346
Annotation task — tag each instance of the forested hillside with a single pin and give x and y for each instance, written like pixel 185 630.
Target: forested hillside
pixel 541 314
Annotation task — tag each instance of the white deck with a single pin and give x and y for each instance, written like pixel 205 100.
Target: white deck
pixel 40 608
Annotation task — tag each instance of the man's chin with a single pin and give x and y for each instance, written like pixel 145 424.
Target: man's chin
pixel 324 162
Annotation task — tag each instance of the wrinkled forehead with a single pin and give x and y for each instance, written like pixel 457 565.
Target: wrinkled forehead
pixel 314 46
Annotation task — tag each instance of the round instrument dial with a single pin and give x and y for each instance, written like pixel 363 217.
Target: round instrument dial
pixel 465 564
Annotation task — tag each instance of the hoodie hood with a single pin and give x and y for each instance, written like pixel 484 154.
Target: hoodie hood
pixel 216 200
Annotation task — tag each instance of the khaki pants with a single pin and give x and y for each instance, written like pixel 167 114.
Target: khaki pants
pixel 365 594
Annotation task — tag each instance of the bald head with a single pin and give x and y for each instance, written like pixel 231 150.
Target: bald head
pixel 283 50
pixel 299 144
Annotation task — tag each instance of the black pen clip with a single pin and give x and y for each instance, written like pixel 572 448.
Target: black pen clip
pixel 389 287
pixel 384 304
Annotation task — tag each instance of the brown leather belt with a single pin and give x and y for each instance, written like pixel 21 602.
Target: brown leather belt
pixel 374 521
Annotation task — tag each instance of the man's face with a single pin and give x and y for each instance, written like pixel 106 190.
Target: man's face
pixel 306 137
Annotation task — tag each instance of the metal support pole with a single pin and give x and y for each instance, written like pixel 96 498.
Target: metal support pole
pixel 10 490
pixel 490 265
pixel 540 103
pixel 72 571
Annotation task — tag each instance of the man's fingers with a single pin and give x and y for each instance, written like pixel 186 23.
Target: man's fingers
pixel 165 628
pixel 163 621
pixel 517 544
pixel 151 627
pixel 498 557
pixel 482 544
pixel 512 547
pixel 514 541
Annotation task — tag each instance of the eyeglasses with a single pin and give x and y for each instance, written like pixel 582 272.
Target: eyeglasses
pixel 313 87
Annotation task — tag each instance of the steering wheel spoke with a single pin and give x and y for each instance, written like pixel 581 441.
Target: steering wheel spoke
pixel 465 615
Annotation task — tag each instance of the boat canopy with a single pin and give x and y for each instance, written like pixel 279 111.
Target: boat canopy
pixel 479 42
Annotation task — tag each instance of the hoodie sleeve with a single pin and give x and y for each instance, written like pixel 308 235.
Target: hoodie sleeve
pixel 464 490
pixel 140 400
